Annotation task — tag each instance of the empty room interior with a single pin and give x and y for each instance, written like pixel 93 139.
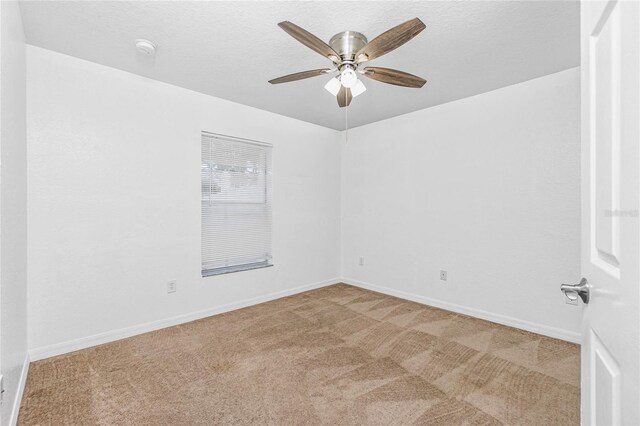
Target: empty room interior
pixel 319 212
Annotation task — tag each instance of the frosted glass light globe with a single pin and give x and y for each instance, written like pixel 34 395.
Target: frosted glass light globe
pixel 348 78
pixel 333 86
pixel 358 89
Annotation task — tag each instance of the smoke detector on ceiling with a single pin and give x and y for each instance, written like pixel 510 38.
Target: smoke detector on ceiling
pixel 145 47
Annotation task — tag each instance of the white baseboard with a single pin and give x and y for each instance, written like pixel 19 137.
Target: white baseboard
pixel 110 336
pixel 15 410
pixel 558 333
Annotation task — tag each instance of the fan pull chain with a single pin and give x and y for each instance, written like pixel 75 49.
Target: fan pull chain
pixel 346 120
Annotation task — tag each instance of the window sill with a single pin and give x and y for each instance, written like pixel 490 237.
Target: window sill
pixel 237 268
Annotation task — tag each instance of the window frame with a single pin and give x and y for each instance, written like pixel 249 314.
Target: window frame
pixel 268 201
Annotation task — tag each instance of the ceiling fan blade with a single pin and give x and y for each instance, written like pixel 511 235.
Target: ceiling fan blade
pixel 344 97
pixel 390 40
pixel 399 78
pixel 300 76
pixel 309 40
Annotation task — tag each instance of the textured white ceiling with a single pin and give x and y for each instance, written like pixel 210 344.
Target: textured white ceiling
pixel 231 49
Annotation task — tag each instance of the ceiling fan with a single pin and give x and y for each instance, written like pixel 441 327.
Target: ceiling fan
pixel 348 50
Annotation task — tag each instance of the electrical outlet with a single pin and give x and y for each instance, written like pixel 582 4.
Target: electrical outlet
pixel 172 286
pixel 443 275
pixel 361 261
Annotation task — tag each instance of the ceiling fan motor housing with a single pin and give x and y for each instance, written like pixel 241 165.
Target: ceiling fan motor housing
pixel 347 44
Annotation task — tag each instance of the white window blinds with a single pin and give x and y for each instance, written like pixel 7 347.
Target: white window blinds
pixel 236 204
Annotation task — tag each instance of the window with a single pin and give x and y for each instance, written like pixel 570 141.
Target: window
pixel 236 204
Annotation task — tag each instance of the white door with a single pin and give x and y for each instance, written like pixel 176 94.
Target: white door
pixel 610 40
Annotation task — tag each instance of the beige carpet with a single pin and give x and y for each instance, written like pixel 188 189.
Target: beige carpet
pixel 338 355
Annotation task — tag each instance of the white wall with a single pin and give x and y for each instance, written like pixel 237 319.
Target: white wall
pixel 13 208
pixel 114 201
pixel 487 188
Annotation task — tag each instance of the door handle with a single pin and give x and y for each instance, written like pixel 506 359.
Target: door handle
pixel 573 291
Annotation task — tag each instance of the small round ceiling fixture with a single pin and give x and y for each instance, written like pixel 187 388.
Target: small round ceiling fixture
pixel 145 47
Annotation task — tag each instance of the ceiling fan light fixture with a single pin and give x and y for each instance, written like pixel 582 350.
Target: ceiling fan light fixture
pixel 358 89
pixel 333 86
pixel 348 77
pixel 347 50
